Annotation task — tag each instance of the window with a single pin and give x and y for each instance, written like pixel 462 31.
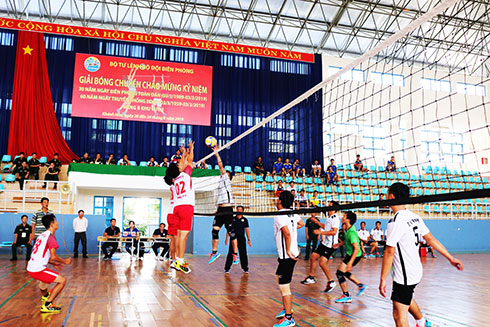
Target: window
pixel 388 79
pixel 355 75
pixel 472 89
pixel 7 38
pixel 435 84
pixel 373 141
pixel 174 135
pixel 282 135
pixel 55 42
pixel 290 67
pixel 104 205
pixel 239 61
pixel 122 49
pixel 145 212
pixel 443 146
pixel 65 119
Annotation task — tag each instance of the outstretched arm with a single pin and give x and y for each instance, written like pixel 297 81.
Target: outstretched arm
pixel 435 244
pixel 220 163
pixel 190 154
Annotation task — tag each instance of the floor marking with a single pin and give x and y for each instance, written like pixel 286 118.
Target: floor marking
pixel 1 322
pixel 11 296
pixel 92 318
pixel 8 273
pixel 296 304
pixel 307 323
pixel 69 311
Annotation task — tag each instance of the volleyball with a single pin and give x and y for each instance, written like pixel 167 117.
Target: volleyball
pixel 211 141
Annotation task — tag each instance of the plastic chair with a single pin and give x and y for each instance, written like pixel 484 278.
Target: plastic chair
pixel 258 187
pixel 133 163
pixel 237 169
pixel 6 168
pixel 10 178
pixel 308 180
pixel 318 180
pixel 6 158
pixel 43 160
pixel 289 179
pixel 371 183
pixel 298 180
pixel 247 169
pixel 269 188
pixel 347 189
pixel 249 178
pixel 354 182
pixel 142 163
pixel 319 189
pixel 259 179
pixel 309 189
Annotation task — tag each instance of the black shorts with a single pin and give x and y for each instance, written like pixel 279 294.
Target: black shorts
pixel 402 293
pixel 324 251
pixel 224 216
pixel 356 260
pixel 285 270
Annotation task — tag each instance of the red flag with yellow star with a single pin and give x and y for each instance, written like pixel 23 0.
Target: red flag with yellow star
pixel 33 123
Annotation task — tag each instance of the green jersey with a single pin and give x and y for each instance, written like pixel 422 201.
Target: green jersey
pixel 351 237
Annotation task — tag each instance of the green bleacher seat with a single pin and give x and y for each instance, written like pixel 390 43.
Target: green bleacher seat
pixel 413 184
pixel 405 177
pixel 365 191
pixel 371 209
pixel 358 198
pixel 480 186
pixel 349 167
pixel 486 186
pixel 357 174
pixel 380 182
pixel 381 168
pixel 367 198
pixel 279 178
pixel 210 167
pixel 479 210
pixel 428 185
pixel 216 167
pixel 426 192
pixel 6 158
pixel 10 178
pixel 29 158
pixel 349 198
pixel 1 177
pixel 249 178
pixel 247 169
pixel 15 157
pixel 309 189
pixel 436 177
pixel 6 168
pixel 404 170
pixel 340 166
pixel 342 198
pixel 384 191
pixel 354 182
pixel 318 180
pixel 454 209
pixel 382 175
pixel 269 179
pixel 487 210
pixel 143 163
pixel 419 192
pixel 228 168
pixel 259 179
pixel 289 179
pixel 237 169
pixel 463 209
pixel 308 180
pixel 133 163
pixel 258 187
pixel 445 209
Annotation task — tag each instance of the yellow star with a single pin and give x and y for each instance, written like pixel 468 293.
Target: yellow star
pixel 28 50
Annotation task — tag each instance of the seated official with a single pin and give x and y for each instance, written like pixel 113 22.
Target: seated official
pixel 114 231
pixel 98 160
pixel 52 174
pixel 377 238
pixel 55 160
pixel 133 232
pixel 17 163
pixel 259 167
pixel 152 162
pixel 160 232
pixel 124 161
pixel 111 160
pixel 85 159
pixel 165 162
pixel 22 237
pixel 34 165
pixel 22 174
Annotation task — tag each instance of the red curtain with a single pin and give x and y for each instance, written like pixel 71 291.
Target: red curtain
pixel 33 123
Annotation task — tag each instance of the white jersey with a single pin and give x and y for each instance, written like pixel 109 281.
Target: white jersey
pixel 377 234
pixel 184 193
pixel 291 221
pixel 331 222
pixel 225 194
pixel 403 233
pixel 172 195
pixel 363 234
pixel 40 252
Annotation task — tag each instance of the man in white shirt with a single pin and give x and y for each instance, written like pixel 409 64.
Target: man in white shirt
pixel 286 236
pixel 363 236
pixel 329 234
pixel 402 256
pixel 377 238
pixel 224 214
pixel 80 225
pixel 301 199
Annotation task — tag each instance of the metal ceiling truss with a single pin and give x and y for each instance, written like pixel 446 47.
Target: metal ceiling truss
pixel 341 26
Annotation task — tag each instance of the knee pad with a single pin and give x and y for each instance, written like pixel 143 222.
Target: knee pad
pixel 348 274
pixel 215 234
pixel 340 276
pixel 285 289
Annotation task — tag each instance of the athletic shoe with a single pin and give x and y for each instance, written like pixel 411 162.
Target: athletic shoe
pixel 141 258
pixel 309 280
pixel 227 271
pixel 427 324
pixel 330 287
pixel 377 255
pixel 344 299
pixel 106 258
pixel 245 271
pixel 371 256
pixel 361 290
pixel 175 265
pixel 433 255
pixel 282 314
pixel 213 257
pixel 51 308
pixel 235 259
pixel 185 268
pixel 285 323
pixel 45 298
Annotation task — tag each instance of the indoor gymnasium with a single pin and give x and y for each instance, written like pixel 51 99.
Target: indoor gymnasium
pixel 245 163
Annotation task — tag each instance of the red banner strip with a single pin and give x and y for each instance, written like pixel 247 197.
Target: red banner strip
pixel 98 33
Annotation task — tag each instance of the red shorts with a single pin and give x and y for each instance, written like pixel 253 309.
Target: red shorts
pixel 46 276
pixel 173 224
pixel 184 214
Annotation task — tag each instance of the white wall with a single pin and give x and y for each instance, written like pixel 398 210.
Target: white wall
pixel 389 107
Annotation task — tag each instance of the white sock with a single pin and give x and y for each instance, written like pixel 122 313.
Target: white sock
pixel 421 322
pixel 180 260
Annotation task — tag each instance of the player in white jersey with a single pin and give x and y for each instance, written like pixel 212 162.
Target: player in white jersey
pixel 363 234
pixel 224 214
pixel 286 236
pixel 329 234
pixel 184 201
pixel 44 253
pixel 402 255
pixel 377 238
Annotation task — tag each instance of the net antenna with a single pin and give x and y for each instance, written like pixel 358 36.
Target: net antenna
pixel 366 56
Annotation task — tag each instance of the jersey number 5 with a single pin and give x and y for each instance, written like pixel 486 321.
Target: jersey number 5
pixel 416 235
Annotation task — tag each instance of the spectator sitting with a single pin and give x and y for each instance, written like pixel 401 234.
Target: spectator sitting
pixel 277 167
pixel 391 165
pixel 314 200
pixel 203 165
pixel 377 238
pixel 358 165
pixel 316 169
pixel 55 160
pixel 302 199
pixel 111 160
pixel 22 237
pixel 52 174
pixel 22 174
pixel 176 157
pixel 160 232
pixel 291 187
pixel 84 159
pixel 17 163
pixel 280 188
pixel 259 167
pixel 114 231
pixel 34 165
pixel 124 161
pixel 423 244
pixel 288 168
pixel 165 162
pixel 332 175
pixel 363 234
pixel 98 159
pixel 152 162
pixel 298 170
pixel 133 232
